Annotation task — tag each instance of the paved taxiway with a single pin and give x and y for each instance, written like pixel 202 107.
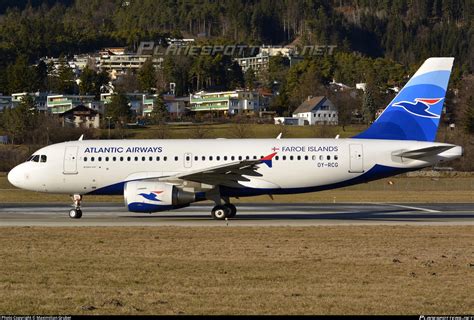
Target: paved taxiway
pixel 260 214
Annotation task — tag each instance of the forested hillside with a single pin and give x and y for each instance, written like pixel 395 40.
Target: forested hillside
pixel 404 30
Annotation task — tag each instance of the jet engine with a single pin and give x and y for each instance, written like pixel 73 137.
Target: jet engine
pixel 150 196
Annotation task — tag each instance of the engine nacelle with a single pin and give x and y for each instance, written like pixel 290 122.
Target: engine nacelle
pixel 149 196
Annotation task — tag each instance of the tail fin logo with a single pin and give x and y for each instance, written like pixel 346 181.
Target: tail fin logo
pixel 420 108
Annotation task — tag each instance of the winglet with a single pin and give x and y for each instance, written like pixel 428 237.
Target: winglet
pixel 268 159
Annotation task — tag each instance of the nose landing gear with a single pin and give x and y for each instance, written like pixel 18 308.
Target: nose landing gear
pixel 76 212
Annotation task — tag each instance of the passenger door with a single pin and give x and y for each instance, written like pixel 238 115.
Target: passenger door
pixel 70 160
pixel 357 158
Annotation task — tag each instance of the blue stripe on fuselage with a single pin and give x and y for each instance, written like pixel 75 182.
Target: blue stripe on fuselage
pixel 376 172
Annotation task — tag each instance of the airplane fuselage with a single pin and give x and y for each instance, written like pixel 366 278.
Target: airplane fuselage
pixel 300 165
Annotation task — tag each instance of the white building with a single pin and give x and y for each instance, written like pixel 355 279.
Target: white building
pixel 230 102
pixel 257 63
pixel 61 103
pixel 317 110
pixel 117 65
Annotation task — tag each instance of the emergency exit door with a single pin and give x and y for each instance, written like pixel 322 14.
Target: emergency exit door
pixel 188 160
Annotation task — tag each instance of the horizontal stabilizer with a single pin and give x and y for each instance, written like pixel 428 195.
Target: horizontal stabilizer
pixel 423 153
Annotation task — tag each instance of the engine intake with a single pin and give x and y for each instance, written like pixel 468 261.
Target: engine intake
pixel 149 196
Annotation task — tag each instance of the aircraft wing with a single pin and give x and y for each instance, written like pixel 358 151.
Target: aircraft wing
pixel 228 174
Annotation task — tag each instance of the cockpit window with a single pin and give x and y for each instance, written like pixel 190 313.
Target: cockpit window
pixel 38 158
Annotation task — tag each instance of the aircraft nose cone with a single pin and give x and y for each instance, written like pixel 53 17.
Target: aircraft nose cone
pixel 14 176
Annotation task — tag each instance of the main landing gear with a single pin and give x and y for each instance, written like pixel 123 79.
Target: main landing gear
pixel 76 212
pixel 221 212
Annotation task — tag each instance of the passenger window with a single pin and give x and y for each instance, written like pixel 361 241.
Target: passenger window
pixel 284 158
pixel 336 157
pixel 329 157
pixel 321 157
pixel 203 158
pixel 106 158
pixel 175 158
pixel 92 159
pixel 136 158
pixel 314 158
pixel 165 158
pixel 143 158
pixel 299 157
pixel 188 158
pixel 157 158
pixel 121 158
pixel 85 159
pixel 291 157
pixel 306 157
pixel 232 158
pixel 210 158
pixel 277 158
pixel 150 159
pixel 128 158
pixel 247 157
pixel 99 159
pixel 114 159
pixel 43 158
pixel 196 158
pixel 218 158
pixel 225 158
pixel 240 157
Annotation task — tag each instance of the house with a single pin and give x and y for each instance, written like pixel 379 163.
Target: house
pixel 317 110
pixel 80 117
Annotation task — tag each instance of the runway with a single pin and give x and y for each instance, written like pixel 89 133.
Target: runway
pixel 255 214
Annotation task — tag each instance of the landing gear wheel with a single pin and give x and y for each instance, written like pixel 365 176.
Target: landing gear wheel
pixel 75 213
pixel 233 210
pixel 220 212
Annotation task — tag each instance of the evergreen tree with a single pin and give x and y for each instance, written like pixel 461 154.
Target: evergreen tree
pixel 250 79
pixel 147 76
pixel 118 109
pixel 87 81
pixel 469 116
pixel 368 104
pixel 63 80
pixel 21 76
pixel 18 122
pixel 41 71
pixel 159 114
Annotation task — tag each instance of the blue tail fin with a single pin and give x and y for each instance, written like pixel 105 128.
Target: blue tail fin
pixel 415 112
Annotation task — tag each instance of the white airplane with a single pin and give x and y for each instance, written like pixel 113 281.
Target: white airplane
pixel 159 175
